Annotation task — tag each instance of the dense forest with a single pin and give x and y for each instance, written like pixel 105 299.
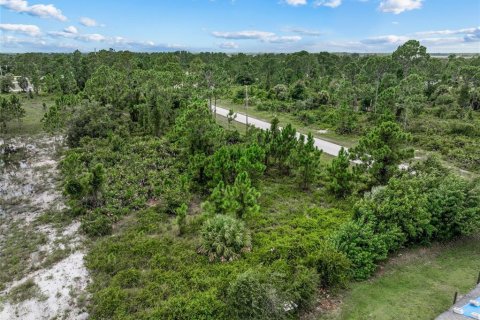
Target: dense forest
pixel 192 218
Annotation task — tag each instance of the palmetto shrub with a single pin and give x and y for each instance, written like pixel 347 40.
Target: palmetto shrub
pixel 224 238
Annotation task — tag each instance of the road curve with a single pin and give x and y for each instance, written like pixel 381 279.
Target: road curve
pixel 327 147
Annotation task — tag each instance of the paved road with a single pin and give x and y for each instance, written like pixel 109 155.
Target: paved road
pixel 326 146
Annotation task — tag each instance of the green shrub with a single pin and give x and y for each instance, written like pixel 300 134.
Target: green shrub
pixel 181 219
pixel 455 207
pixel 304 287
pixel 306 117
pixel 96 224
pixel 251 297
pixel 128 278
pixel 199 306
pixel 332 266
pixel 362 246
pixel 224 238
pixel 465 128
pixel 91 121
pixel 401 204
pixel 109 303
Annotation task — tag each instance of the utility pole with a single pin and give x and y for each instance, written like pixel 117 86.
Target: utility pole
pixel 215 101
pixel 246 108
pixel 210 97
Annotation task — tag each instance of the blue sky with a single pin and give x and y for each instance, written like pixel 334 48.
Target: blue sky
pixel 238 25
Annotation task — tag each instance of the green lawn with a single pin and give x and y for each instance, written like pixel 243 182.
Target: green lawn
pixel 234 125
pixel 31 124
pixel 418 284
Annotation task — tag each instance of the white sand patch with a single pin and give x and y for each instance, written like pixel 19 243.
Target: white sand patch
pixel 61 284
pixel 29 188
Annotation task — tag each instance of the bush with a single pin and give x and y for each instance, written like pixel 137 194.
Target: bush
pixel 280 91
pixel 181 219
pixel 250 297
pixel 91 121
pixel 129 278
pixel 332 266
pixel 401 204
pixel 304 287
pixel 455 207
pixel 306 117
pixel 362 246
pixel 96 224
pixel 466 129
pixel 109 303
pixel 224 238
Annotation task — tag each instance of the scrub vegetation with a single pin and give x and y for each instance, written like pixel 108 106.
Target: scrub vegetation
pixel 193 218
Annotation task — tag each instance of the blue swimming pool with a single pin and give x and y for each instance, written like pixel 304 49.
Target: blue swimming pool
pixel 468 309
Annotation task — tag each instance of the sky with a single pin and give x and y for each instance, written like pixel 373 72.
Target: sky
pixel 251 26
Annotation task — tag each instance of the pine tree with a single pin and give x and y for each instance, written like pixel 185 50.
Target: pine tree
pixel 306 161
pixel 239 199
pixel 340 175
pixel 181 219
pixel 219 201
pixel 10 109
pixel 244 196
pixel 382 150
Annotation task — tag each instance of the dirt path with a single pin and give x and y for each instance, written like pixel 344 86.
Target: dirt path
pixel 42 273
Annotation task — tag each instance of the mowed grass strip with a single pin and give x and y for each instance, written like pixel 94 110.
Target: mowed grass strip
pixel 418 284
pixel 34 111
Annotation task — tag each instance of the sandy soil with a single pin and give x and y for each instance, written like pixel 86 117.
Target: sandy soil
pixel 28 189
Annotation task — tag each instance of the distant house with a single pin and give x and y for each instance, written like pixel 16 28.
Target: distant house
pixel 16 86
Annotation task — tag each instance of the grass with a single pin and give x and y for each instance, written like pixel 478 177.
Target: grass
pixel 286 118
pixel 416 284
pixel 25 291
pixel 234 125
pixel 58 219
pixel 20 242
pixel 34 112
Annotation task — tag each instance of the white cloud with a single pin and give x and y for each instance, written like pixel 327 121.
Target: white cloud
pixel 14 40
pixel 305 32
pixel 70 29
pixel 248 34
pixel 282 39
pixel 327 3
pixel 14 44
pixel 30 29
pixel 87 37
pixel 263 36
pixel 389 39
pixel 473 36
pixel 92 37
pixel 448 40
pixel 37 10
pixel 122 43
pixel 228 45
pixel 399 6
pixel 89 22
pixel 125 42
pixel 296 3
pixel 448 32
pixel 468 35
